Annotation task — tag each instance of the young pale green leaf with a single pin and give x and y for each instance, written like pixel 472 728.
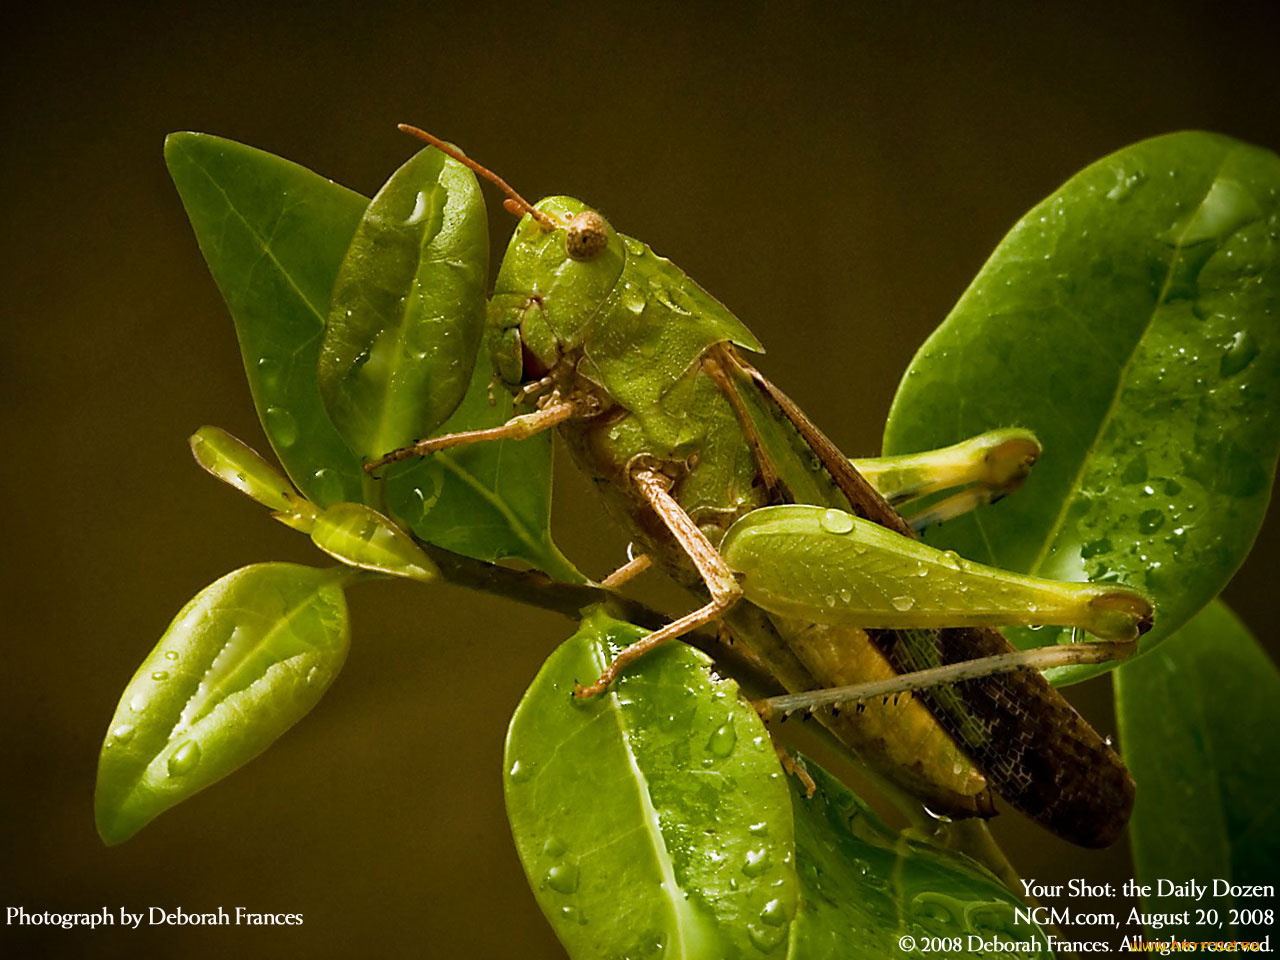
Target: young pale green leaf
pixel 1132 320
pixel 1198 722
pixel 408 307
pixel 829 566
pixel 652 820
pixel 273 234
pixel 235 462
pixel 488 500
pixel 361 537
pixel 864 886
pixel 240 664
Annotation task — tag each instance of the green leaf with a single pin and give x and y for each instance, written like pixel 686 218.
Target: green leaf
pixel 652 820
pixel 408 307
pixel 863 885
pixel 1198 722
pixel 361 537
pixel 240 664
pixel 236 463
pixel 1132 321
pixel 490 500
pixel 273 234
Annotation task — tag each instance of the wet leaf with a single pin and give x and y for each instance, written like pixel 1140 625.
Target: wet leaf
pixel 653 820
pixel 240 664
pixel 361 537
pixel 273 234
pixel 408 307
pixel 1198 722
pixel 234 462
pixel 863 885
pixel 491 500
pixel 1132 321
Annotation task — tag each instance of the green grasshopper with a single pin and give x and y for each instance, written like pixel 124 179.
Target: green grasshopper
pixel 797 551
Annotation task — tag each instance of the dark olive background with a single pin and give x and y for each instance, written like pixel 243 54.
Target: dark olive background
pixel 835 175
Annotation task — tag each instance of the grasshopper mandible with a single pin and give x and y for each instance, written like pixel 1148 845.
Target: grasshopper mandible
pixel 730 488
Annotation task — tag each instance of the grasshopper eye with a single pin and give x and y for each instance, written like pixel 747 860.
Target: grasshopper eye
pixel 587 236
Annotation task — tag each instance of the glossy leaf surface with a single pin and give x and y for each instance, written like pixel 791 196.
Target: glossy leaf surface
pixel 361 537
pixel 1132 321
pixel 234 462
pixel 652 820
pixel 240 664
pixel 488 500
pixel 273 234
pixel 863 886
pixel 1199 723
pixel 408 307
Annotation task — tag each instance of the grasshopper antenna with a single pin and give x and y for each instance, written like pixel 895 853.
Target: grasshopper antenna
pixel 514 203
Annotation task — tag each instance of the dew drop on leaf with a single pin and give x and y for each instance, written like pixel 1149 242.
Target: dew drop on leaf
pixel 281 427
pixel 184 759
pixel 563 878
pixel 722 739
pixel 1239 354
pixel 836 521
pixel 757 862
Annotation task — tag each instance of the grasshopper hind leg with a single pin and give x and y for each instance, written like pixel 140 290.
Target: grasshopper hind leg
pixel 719 579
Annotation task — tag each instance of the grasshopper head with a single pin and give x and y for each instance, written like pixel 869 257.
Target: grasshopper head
pixel 551 284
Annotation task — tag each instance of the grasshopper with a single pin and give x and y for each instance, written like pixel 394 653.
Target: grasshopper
pixel 799 552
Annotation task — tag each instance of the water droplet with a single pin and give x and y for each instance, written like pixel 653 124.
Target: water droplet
pixel 757 862
pixel 184 759
pixel 1095 547
pixel 758 829
pixel 281 427
pixel 171 655
pixel 902 604
pixel 774 913
pixel 160 675
pixel 520 772
pixel 722 740
pixel 123 733
pixel 573 915
pixel 1124 184
pixel 922 571
pixel 764 938
pixel 1149 521
pixel 1239 354
pixel 950 559
pixel 268 373
pixel 327 486
pixel 633 298
pixel 563 877
pixel 137 703
pixel 1136 470
pixel 554 847
pixel 836 521
pixel 634 247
